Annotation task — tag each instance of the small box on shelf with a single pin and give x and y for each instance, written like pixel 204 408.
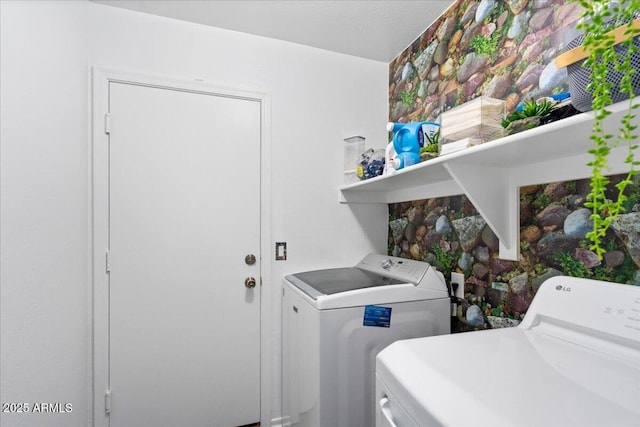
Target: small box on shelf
pixel 479 120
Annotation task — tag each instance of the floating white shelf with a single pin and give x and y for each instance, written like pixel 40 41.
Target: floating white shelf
pixel 491 174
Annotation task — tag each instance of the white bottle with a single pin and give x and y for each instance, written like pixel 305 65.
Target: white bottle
pixel 391 164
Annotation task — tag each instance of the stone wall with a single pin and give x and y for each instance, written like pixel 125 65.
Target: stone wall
pixel 501 49
pixel 449 233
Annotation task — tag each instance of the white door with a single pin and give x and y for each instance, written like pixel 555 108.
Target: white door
pixel 184 211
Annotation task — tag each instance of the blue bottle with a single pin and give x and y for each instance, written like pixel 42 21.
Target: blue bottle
pixel 408 138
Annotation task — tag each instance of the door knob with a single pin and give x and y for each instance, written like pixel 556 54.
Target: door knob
pixel 250 282
pixel 250 259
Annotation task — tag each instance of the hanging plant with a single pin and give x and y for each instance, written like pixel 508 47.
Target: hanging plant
pixel 607 55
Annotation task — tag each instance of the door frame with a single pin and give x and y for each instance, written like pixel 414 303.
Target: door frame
pixel 99 230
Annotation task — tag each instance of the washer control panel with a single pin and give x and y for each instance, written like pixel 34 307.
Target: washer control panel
pixel 406 270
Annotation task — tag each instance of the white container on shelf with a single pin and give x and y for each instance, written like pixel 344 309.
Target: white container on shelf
pixel 353 147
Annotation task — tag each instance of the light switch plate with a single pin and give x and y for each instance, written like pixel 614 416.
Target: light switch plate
pixel 281 251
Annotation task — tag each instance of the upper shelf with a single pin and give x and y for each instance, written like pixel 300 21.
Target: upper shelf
pixel 490 174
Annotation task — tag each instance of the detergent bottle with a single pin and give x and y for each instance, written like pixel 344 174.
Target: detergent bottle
pixel 408 138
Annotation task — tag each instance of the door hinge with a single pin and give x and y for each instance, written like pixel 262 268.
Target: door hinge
pixel 107 124
pixel 107 262
pixel 107 402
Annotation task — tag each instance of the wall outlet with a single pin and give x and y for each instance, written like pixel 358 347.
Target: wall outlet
pixel 459 279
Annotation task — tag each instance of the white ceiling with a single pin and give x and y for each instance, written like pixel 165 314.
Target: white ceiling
pixel 373 29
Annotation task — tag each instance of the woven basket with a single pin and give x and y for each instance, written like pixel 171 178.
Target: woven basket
pixel 579 76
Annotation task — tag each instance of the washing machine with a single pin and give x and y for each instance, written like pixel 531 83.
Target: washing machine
pixel 573 361
pixel 335 321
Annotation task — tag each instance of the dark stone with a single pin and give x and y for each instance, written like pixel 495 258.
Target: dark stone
pixel 530 234
pixel 533 52
pixel 446 29
pixel 473 83
pixel 540 4
pixel 469 14
pixel 526 210
pixel 440 55
pixel 519 303
pixel 614 259
pixel 568 12
pixel 588 258
pixel 553 214
pixel 541 18
pixel 431 239
pixel 627 229
pixel 471 65
pixel 480 270
pixel 556 191
pixel 410 233
pixel 498 86
pixel 576 201
pixel 495 296
pixel 553 244
pixel 431 219
pixel 529 77
pixel 499 266
pixel 415 216
pixel 537 281
pixel 516 6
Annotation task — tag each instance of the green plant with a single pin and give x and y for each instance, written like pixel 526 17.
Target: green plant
pixel 432 142
pixel 408 97
pixel 571 266
pixel 626 272
pixel 447 260
pixel 633 199
pixel 530 108
pixel 599 46
pixel 485 46
pixel 541 202
pixel 429 148
pixel 539 268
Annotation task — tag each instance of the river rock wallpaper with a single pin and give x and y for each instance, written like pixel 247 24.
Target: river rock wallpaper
pixel 497 48
pixel 504 50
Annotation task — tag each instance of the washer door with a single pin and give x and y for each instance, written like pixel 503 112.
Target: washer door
pixel 332 281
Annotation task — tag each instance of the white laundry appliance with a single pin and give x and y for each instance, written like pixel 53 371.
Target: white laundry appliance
pixel 573 361
pixel 335 321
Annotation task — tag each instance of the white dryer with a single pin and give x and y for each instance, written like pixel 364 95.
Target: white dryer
pixel 335 321
pixel 573 361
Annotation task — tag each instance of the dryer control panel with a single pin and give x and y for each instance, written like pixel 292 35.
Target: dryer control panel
pixel 588 307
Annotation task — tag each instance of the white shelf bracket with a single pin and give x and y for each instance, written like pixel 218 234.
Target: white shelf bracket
pixel 494 195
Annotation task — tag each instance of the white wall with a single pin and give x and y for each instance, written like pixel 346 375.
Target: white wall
pixel 43 137
pixel 317 99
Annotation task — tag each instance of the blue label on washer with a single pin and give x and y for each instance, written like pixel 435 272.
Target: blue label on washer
pixel 375 315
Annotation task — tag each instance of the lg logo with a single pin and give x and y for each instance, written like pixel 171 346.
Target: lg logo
pixel 563 288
